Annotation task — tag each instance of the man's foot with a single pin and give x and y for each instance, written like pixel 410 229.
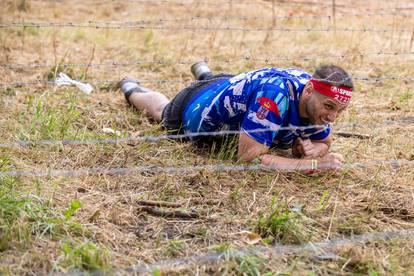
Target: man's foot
pixel 129 85
pixel 201 71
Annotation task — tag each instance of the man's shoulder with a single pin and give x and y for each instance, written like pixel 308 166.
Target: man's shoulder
pixel 297 77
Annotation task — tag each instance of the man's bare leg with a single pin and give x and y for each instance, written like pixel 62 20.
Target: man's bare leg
pixel 150 102
pixel 143 99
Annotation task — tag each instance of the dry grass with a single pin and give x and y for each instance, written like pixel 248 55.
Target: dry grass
pixel 42 228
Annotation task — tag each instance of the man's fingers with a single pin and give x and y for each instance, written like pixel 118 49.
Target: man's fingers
pixel 311 154
pixel 338 156
pixel 308 147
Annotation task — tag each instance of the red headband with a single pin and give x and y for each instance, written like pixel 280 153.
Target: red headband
pixel 340 93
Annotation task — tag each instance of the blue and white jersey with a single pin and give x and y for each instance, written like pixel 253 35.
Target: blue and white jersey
pixel 252 101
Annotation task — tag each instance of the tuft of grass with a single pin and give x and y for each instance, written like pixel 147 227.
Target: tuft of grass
pixel 238 264
pixel 250 265
pixel 9 91
pixel 323 201
pixel 74 205
pixel 237 191
pixel 404 99
pixel 55 70
pixel 225 148
pixel 174 248
pixel 60 68
pixel 24 218
pixel 284 224
pixel 51 122
pixel 85 256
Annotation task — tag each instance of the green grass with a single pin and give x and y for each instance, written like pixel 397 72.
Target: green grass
pixel 25 217
pixel 86 256
pixel 174 248
pixel 283 223
pixel 243 264
pixel 48 122
pixel 92 222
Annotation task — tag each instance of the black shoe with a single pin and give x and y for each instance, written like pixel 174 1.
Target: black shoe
pixel 129 85
pixel 201 71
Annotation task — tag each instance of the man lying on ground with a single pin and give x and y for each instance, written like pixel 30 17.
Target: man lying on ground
pixel 260 104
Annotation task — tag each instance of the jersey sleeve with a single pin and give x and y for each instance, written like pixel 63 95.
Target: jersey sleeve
pixel 321 135
pixel 265 113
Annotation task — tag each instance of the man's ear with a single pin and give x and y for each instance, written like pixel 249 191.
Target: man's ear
pixel 308 90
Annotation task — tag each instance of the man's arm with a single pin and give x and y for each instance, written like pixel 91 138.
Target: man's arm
pixel 311 148
pixel 249 149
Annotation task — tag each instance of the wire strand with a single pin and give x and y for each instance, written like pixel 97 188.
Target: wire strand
pixel 276 251
pixel 116 63
pixel 131 25
pixel 155 138
pixel 394 164
pixel 162 81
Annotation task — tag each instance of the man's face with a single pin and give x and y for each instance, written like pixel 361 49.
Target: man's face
pixel 322 109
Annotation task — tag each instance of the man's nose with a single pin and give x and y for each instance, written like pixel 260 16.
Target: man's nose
pixel 332 116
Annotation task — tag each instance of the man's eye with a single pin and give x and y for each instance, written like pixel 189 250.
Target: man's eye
pixel 328 107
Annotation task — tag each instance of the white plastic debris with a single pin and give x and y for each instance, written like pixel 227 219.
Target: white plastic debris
pixel 111 131
pixel 64 79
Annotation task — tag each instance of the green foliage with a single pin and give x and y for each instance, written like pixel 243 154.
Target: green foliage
pixel 51 122
pixel 55 70
pixel 9 91
pixel 156 272
pixel 5 161
pixel 59 68
pixel 361 267
pixel 250 265
pixel 284 224
pixel 149 39
pixel 24 216
pixel 33 31
pixel 237 191
pixel 323 202
pixel 240 264
pixel 405 98
pixel 225 148
pixel 222 247
pixel 85 256
pixel 73 207
pixel 175 247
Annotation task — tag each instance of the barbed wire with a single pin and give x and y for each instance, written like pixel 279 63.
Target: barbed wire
pixel 162 81
pixel 155 138
pixel 145 21
pixel 117 63
pixel 276 251
pixel 157 2
pixel 132 25
pixel 243 3
pixel 278 18
pixel 394 164
pixel 209 2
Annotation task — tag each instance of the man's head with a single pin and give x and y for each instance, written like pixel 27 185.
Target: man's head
pixel 326 95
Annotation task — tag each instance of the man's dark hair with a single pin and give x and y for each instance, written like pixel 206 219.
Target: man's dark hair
pixel 333 75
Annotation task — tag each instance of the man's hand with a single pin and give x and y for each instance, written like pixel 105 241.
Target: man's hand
pixel 249 149
pixel 308 149
pixel 331 161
